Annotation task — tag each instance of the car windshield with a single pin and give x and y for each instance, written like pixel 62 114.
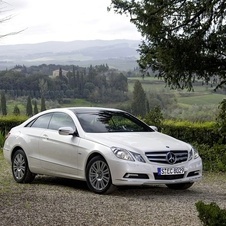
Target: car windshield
pixel 111 121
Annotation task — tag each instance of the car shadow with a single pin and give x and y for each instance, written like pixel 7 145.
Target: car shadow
pixel 62 182
pixel 139 191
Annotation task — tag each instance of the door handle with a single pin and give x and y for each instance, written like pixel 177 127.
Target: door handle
pixel 45 136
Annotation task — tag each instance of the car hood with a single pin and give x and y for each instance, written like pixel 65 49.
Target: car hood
pixel 140 141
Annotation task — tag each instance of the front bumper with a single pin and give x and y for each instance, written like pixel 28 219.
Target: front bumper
pixel 137 173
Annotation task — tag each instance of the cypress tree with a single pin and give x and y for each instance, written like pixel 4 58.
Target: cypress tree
pixel 139 103
pixel 35 107
pixel 3 104
pixel 29 111
pixel 43 105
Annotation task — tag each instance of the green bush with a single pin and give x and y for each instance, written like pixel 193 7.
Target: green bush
pixel 202 133
pixel 211 214
pixel 154 118
pixel 7 122
pixel 213 157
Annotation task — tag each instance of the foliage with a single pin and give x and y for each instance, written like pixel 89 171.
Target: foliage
pixel 3 104
pixel 183 40
pixel 7 122
pixel 211 214
pixel 221 119
pixel 98 84
pixel 161 98
pixel 43 105
pixel 154 117
pixel 214 157
pixel 138 106
pixel 16 110
pixel 29 110
pixel 35 107
pixel 191 113
pixel 200 132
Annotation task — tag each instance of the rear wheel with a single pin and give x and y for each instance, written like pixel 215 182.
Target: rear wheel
pixel 20 168
pixel 98 176
pixel 182 186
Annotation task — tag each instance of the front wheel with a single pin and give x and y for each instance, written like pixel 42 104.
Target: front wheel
pixel 98 176
pixel 20 168
pixel 181 186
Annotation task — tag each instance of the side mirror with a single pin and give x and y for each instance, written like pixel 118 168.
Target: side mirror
pixel 67 131
pixel 154 128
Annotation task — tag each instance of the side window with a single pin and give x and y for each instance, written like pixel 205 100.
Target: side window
pixel 41 122
pixel 61 120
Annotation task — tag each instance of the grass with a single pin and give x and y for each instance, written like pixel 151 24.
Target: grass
pixel 202 99
pixel 202 95
pixel 5 177
pixel 7 184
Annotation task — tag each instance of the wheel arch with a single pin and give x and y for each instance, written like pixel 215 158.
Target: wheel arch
pixel 94 154
pixel 14 150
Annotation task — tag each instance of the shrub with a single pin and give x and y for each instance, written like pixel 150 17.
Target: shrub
pixel 154 117
pixel 7 122
pixel 214 157
pixel 211 214
pixel 221 120
pixel 202 133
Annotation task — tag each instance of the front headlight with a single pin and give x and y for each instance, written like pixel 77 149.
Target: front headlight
pixel 193 153
pixel 196 154
pixel 190 154
pixel 122 154
pixel 127 155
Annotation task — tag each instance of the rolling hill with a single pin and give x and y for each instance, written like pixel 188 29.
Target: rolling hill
pixel 120 54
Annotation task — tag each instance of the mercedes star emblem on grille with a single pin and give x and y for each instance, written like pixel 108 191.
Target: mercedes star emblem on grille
pixel 171 158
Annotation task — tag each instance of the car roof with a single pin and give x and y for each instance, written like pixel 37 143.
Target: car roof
pixel 78 110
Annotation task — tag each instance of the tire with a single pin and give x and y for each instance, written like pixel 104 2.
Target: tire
pixel 20 168
pixel 182 186
pixel 98 176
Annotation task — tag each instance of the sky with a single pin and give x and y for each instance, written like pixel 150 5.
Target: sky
pixel 67 20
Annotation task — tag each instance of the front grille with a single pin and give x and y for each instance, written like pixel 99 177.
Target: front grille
pixel 161 156
pixel 168 177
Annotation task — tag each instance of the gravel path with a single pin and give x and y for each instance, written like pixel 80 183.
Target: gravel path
pixel 53 201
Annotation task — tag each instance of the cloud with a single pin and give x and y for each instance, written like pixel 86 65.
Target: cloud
pixel 46 20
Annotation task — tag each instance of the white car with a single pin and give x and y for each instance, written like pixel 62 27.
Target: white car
pixel 102 146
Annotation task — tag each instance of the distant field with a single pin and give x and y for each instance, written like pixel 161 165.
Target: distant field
pixel 202 99
pixel 202 95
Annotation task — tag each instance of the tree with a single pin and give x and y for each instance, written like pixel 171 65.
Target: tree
pixel 29 110
pixel 3 104
pixel 221 119
pixel 43 105
pixel 16 110
pixel 4 5
pixel 183 40
pixel 139 102
pixel 35 107
pixel 154 117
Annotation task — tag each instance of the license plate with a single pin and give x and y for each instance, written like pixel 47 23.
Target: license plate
pixel 171 171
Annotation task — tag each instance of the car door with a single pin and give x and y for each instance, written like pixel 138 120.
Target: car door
pixel 31 134
pixel 59 152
